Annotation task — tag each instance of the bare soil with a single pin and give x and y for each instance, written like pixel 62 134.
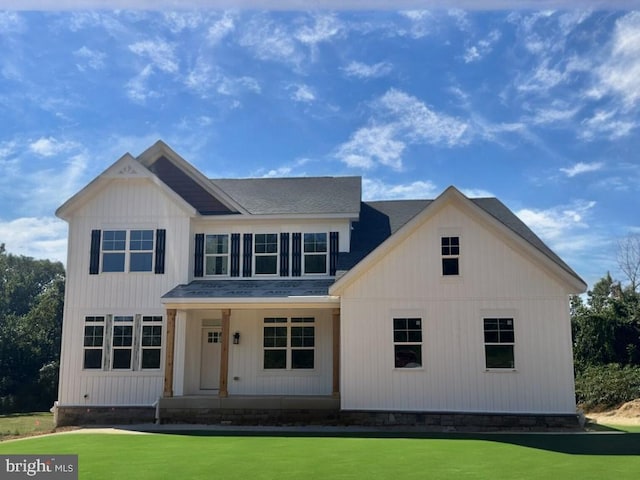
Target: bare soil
pixel 627 414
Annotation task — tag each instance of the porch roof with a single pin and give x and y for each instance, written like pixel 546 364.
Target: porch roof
pixel 252 291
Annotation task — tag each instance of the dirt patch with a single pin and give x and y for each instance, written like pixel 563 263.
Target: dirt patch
pixel 627 414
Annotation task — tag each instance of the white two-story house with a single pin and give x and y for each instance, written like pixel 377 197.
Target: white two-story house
pixel 291 299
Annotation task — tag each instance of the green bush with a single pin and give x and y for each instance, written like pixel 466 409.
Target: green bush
pixel 607 386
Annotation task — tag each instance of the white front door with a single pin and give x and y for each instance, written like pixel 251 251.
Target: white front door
pixel 210 358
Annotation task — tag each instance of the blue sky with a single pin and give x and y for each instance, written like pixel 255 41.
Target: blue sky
pixel 537 108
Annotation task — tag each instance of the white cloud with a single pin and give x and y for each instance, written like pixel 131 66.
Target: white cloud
pixel 270 41
pixel 555 224
pixel 607 123
pixel 48 147
pixel 420 123
pixel 371 145
pixel 399 120
pixel 137 89
pixel 476 193
pixel 205 79
pixel 362 70
pixel 302 93
pixel 544 116
pixel 93 58
pixel 221 28
pixel 160 53
pixel 374 189
pixel 324 28
pixel 37 237
pixel 582 167
pixel 11 22
pixel 179 21
pixel 620 72
pixel 482 48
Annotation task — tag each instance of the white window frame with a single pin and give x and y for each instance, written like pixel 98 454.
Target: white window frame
pixel 447 252
pixel 152 322
pixel 128 250
pixel 122 321
pixel 298 343
pixel 314 253
pixel 93 322
pixel 408 333
pixel 214 255
pixel 275 254
pixel 503 338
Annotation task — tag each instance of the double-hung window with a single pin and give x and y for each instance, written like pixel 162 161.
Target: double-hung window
pixel 266 253
pixel 407 342
pixel 216 255
pixel 93 342
pixel 499 341
pixel 315 253
pixel 127 250
pixel 122 343
pixel 450 250
pixel 151 342
pixel 289 343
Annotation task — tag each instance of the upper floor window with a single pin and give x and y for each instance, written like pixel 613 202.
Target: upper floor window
pixel 266 253
pixel 133 254
pixel 315 253
pixel 450 250
pixel 216 255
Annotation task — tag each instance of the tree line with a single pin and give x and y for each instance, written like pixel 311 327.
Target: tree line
pixel 606 335
pixel 31 303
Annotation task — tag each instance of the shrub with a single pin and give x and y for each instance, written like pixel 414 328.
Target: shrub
pixel 601 387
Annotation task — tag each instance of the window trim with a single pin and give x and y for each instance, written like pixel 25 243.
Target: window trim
pixel 127 252
pixel 396 331
pixel 93 323
pixel 447 255
pixel 122 321
pixel 226 255
pixel 314 253
pixel 511 343
pixel 275 255
pixel 290 323
pixel 155 321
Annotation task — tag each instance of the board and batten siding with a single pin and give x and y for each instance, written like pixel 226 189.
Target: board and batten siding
pixel 125 204
pixel 496 278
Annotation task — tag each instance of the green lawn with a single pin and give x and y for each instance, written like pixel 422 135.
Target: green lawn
pixel 21 424
pixel 258 456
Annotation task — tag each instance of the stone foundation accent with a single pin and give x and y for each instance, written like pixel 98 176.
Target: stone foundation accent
pixel 250 415
pixel 76 416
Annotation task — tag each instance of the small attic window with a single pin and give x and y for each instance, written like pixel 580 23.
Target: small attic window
pixel 450 251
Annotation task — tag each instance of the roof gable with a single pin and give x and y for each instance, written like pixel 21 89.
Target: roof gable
pixel 488 210
pixel 126 167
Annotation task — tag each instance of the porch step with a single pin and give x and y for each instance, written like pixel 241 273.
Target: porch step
pixel 248 402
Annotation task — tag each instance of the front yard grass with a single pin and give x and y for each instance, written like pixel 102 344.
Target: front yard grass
pixel 21 424
pixel 206 455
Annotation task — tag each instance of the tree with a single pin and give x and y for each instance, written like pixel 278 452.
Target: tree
pixel 629 259
pixel 31 303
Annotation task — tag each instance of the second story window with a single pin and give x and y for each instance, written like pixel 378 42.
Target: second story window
pixel 266 253
pixel 124 250
pixel 450 249
pixel 217 255
pixel 315 253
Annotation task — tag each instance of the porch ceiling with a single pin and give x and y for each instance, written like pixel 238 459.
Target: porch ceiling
pixel 252 293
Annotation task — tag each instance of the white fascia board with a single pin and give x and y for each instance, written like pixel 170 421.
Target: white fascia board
pixel 288 217
pixel 251 303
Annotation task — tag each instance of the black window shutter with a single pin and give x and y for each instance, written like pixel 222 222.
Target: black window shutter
pixel 161 235
pixel 334 246
pixel 198 260
pixel 296 254
pixel 248 250
pixel 94 256
pixel 284 254
pixel 235 254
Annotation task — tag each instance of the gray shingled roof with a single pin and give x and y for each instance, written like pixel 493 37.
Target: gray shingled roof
pixel 302 196
pixel 251 289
